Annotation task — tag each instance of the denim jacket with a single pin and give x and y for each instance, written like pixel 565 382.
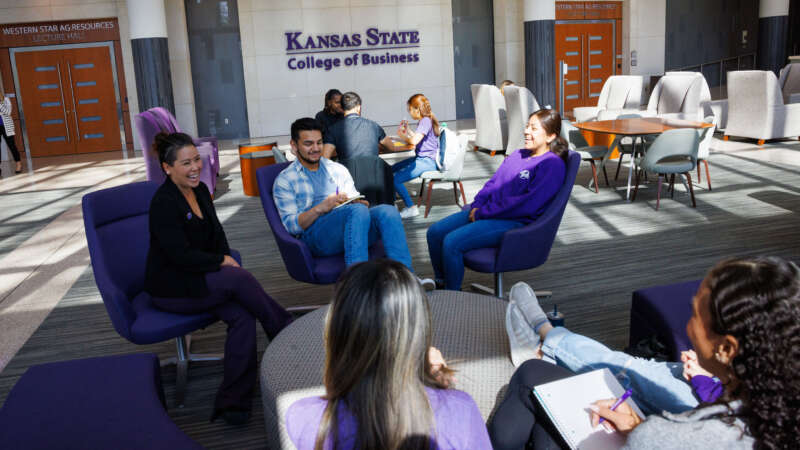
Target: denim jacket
pixel 293 193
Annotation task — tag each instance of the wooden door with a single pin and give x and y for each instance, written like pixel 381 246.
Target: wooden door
pixel 69 101
pixel 588 50
pixel 42 86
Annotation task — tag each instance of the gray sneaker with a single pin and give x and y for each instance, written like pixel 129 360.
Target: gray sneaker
pixel 427 284
pixel 522 315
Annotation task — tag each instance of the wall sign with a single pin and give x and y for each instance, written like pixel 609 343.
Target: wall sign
pixel 373 47
pixel 61 32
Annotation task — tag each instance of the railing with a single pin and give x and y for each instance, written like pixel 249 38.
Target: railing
pixel 718 69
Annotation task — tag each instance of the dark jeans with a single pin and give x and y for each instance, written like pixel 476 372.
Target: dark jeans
pixel 237 298
pixel 518 422
pixel 10 143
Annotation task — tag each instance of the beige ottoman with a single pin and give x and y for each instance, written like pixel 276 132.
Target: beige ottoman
pixel 469 329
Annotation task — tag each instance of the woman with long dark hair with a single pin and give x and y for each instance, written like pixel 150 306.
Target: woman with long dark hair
pixel 745 330
pixel 386 387
pixel 190 270
pixel 425 140
pixel 516 195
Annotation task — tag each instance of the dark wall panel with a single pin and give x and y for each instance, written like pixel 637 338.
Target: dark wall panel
pixel 539 56
pixel 772 33
pixel 702 32
pixel 153 76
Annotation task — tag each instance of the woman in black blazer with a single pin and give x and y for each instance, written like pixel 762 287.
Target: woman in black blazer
pixel 190 270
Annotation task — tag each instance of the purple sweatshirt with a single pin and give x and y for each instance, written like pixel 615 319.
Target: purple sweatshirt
pixel 429 145
pixel 459 424
pixel 707 389
pixel 521 188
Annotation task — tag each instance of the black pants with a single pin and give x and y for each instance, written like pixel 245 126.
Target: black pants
pixel 238 299
pixel 517 422
pixel 10 142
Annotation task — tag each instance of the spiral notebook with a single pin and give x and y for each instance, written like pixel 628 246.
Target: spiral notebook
pixel 567 401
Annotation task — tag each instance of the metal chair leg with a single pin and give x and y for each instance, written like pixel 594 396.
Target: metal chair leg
pixel 691 190
pixel 636 189
pixel 658 192
pixel 594 176
pixel 421 192
pixel 182 369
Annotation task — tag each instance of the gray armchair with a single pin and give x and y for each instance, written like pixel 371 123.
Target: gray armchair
pixel 620 94
pixel 756 109
pixel 789 82
pixel 491 125
pixel 679 95
pixel 673 152
pixel 520 103
pixel 591 154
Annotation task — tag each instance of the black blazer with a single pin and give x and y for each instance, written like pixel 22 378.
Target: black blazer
pixel 182 247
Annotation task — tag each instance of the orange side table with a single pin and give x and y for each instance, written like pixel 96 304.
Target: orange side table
pixel 251 158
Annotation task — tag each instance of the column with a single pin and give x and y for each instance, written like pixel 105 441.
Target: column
pixel 148 32
pixel 773 23
pixel 540 66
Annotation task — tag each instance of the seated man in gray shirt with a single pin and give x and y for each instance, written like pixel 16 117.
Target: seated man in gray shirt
pixel 354 135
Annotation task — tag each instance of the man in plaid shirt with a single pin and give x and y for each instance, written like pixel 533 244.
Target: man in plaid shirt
pixel 308 195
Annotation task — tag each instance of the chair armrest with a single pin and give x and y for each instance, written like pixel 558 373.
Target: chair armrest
pixel 585 113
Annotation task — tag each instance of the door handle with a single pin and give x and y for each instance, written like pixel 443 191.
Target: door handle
pixel 63 106
pixel 75 108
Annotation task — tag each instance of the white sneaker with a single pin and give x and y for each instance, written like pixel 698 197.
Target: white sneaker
pixel 409 212
pixel 427 284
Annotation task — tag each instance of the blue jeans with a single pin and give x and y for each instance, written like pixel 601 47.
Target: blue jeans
pixel 407 170
pixel 657 386
pixel 353 228
pixel 451 237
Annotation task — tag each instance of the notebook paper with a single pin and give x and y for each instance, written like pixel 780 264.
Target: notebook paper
pixel 567 401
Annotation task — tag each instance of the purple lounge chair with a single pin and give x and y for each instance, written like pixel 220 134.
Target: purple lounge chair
pixel 108 402
pixel 118 236
pixel 529 246
pixel 148 125
pixel 663 311
pixel 208 145
pixel 300 263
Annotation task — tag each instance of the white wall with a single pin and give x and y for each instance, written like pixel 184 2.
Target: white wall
pixel 509 41
pixel 276 95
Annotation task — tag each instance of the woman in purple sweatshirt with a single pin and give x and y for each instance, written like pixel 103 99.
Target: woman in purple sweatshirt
pixel 385 386
pixel 516 195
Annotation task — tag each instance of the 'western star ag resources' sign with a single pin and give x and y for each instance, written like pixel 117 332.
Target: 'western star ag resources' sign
pixel 319 51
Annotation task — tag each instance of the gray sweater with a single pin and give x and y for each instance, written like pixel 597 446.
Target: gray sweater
pixel 699 428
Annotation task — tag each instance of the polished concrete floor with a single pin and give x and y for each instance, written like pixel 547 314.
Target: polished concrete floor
pixel 606 247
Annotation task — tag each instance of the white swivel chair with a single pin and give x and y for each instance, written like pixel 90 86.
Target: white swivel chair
pixel 520 103
pixel 679 95
pixel 491 125
pixel 620 94
pixel 756 109
pixel 451 170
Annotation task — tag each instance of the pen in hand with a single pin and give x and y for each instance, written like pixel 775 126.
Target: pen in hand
pixel 616 404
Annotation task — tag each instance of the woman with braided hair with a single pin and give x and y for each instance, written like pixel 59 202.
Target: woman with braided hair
pixel 745 330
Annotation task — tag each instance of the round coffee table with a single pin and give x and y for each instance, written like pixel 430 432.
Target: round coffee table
pixel 469 329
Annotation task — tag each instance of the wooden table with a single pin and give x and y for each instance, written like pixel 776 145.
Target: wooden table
pixel 398 146
pixel 643 126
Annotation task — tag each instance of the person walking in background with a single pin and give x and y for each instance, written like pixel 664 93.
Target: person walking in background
pixel 332 112
pixel 516 195
pixel 7 130
pixel 385 386
pixel 426 141
pixel 504 84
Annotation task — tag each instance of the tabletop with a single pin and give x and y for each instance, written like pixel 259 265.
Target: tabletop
pixel 398 145
pixel 638 126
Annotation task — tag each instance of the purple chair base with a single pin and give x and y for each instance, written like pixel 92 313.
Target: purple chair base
pixel 109 402
pixel 663 311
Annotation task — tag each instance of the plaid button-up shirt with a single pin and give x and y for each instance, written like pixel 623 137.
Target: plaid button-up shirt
pixel 293 193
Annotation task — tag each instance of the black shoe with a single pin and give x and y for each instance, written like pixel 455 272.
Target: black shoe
pixel 235 417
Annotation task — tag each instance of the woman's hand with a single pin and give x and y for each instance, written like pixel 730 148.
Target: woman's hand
pixel 472 214
pixel 228 260
pixel 624 419
pixel 438 367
